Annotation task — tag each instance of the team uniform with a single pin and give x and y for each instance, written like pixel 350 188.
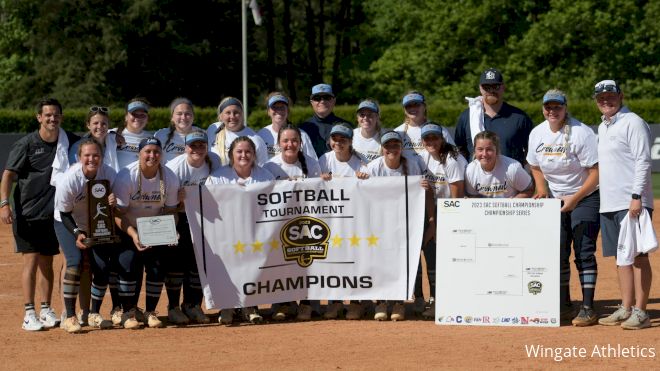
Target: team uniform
pixel 378 167
pixel 340 169
pixel 564 158
pixel 261 151
pixel 412 138
pixel 71 197
pixel 128 152
pixel 269 136
pixel 367 148
pixel 141 197
pixel 227 175
pixel 283 170
pixel 507 179
pixel 175 146
pixel 442 175
pixel 109 151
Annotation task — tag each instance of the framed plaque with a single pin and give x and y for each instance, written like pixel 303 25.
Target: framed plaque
pixel 101 222
pixel 157 230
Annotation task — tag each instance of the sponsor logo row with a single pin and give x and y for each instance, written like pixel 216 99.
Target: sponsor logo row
pixel 516 320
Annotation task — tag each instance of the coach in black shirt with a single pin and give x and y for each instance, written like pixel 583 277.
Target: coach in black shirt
pixel 318 126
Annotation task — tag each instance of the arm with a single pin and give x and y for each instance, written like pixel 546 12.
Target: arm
pixel 121 221
pixel 457 189
pixel 639 139
pixel 71 226
pixel 539 181
pixel 589 186
pixel 8 179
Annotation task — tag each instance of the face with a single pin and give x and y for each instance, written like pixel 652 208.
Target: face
pixel 392 149
pixel 98 127
pixel 554 112
pixel 432 143
pixel 492 93
pixel 609 103
pixel 182 117
pixel 278 113
pixel 290 142
pixel 136 121
pixel 323 104
pixel 150 155
pixel 90 158
pixel 50 118
pixel 486 153
pixel 415 112
pixel 340 143
pixel 367 119
pixel 197 150
pixel 243 155
pixel 232 116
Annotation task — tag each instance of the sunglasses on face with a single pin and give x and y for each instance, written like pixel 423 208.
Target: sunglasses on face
pixel 553 108
pixel 99 109
pixel 139 115
pixel 491 87
pixel 318 98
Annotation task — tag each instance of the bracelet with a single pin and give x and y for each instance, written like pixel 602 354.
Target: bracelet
pixel 4 203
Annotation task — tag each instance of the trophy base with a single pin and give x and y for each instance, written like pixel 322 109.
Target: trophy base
pixel 92 241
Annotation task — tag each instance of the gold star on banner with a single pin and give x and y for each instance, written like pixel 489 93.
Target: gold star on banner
pixel 239 247
pixel 274 244
pixel 336 241
pixel 355 240
pixel 373 240
pixel 257 246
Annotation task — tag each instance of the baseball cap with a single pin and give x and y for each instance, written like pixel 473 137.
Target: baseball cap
pixel 389 136
pixel 412 98
pixel 606 86
pixel 491 76
pixel 149 141
pixel 554 97
pixel 136 105
pixel 196 136
pixel 322 89
pixel 429 129
pixel 277 98
pixel 370 105
pixel 343 130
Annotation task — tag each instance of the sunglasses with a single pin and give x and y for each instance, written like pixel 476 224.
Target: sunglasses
pixel 318 98
pixel 99 109
pixel 553 108
pixel 138 115
pixel 602 88
pixel 491 87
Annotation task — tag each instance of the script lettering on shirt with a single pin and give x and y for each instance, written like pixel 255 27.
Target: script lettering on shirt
pixel 551 149
pixel 491 189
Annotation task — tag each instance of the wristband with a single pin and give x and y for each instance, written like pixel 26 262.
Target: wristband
pixel 4 203
pixel 636 196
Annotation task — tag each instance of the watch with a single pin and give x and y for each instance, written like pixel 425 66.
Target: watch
pixel 77 232
pixel 636 196
pixel 3 203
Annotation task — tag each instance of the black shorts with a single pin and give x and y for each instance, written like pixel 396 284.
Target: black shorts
pixel 35 236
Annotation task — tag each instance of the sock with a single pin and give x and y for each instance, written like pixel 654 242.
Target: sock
pixel 29 307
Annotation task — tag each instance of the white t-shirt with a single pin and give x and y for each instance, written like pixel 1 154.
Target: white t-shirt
pixel 227 175
pixel 147 201
pixel 507 179
pixel 412 138
pixel 176 146
pixel 71 193
pixel 129 152
pixel 187 174
pixel 441 176
pixel 564 156
pixel 262 153
pixel 378 167
pixel 282 170
pixel 367 148
pixel 269 136
pixel 329 164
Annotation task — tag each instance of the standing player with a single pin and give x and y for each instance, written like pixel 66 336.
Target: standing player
pixel 181 124
pixel 30 165
pixel 366 138
pixel 625 183
pixel 565 154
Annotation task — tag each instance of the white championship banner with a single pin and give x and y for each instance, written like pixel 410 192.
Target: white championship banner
pixel 498 262
pixel 281 241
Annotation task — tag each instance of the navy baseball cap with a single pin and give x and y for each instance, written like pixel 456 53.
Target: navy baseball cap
pixel 276 99
pixel 149 141
pixel 343 130
pixel 390 136
pixel 429 129
pixel 412 98
pixel 370 105
pixel 491 76
pixel 196 136
pixel 322 89
pixel 606 86
pixel 136 105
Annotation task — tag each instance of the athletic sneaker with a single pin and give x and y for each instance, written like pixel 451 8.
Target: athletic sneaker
pixel 71 325
pixel 195 313
pixel 355 311
pixel 616 318
pixel 96 321
pixel 31 323
pixel 381 312
pixel 115 316
pixel 304 312
pixel 586 317
pixel 638 320
pixel 152 320
pixel 140 316
pixel 281 313
pixel 398 312
pixel 83 318
pixel 429 313
pixel 566 312
pixel 252 315
pixel 128 320
pixel 226 316
pixel 333 310
pixel 176 317
pixel 48 317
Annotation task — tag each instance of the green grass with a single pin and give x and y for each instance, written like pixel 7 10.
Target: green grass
pixel 655 179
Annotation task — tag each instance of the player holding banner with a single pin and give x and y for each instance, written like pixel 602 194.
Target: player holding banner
pixel 564 152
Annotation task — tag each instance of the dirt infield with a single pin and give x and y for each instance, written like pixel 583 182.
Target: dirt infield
pixel 340 344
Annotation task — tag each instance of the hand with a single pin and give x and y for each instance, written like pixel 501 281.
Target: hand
pixel 80 241
pixel 326 176
pixel 181 195
pixel 177 241
pixel 540 193
pixel 119 139
pixel 569 204
pixel 6 215
pixel 635 208
pixel 361 175
pixel 112 200
pixel 138 245
pixel 426 184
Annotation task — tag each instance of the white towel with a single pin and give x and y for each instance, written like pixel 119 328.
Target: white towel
pixel 476 106
pixel 110 154
pixel 61 161
pixel 636 236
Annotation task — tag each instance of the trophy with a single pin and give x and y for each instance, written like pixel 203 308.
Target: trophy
pixel 101 221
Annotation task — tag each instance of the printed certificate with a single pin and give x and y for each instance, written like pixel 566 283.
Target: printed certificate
pixel 157 230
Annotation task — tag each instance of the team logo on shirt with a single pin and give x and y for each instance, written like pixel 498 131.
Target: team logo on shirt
pixel 551 149
pixel 493 189
pixel 304 239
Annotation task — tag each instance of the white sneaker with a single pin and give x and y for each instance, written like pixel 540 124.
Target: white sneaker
pixel 115 316
pixel 333 310
pixel 252 315
pixel 128 320
pixel 281 313
pixel 381 312
pixel 71 325
pixel 48 317
pixel 152 320
pixel 304 312
pixel 226 316
pixel 176 317
pixel 31 323
pixel 96 321
pixel 398 312
pixel 195 314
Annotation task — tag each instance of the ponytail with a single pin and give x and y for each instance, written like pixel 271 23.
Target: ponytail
pixel 220 139
pixel 303 163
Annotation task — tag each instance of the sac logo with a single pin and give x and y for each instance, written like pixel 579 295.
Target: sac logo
pixel 98 190
pixel 454 203
pixel 534 287
pixel 305 239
